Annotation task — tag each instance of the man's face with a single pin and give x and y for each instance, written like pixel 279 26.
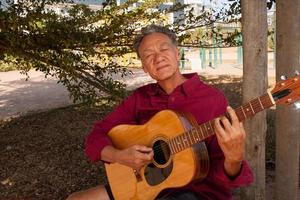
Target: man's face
pixel 159 56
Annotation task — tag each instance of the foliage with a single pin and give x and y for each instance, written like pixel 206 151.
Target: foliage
pixel 79 48
pixel 234 16
pixel 83 47
pixel 4 67
pixel 234 11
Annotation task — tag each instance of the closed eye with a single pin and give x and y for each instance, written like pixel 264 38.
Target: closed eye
pixel 147 56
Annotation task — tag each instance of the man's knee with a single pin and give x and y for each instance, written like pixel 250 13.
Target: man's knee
pixel 96 193
pixel 75 196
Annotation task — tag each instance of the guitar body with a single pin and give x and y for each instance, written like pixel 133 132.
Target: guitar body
pixel 167 170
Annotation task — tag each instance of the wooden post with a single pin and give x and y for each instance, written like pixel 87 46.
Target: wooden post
pixel 287 118
pixel 254 32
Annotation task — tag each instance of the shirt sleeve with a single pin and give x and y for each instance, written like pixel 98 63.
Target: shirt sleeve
pixel 97 139
pixel 217 173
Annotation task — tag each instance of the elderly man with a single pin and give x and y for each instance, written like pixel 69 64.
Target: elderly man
pixel 157 48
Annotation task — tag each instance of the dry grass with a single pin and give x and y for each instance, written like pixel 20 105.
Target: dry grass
pixel 42 154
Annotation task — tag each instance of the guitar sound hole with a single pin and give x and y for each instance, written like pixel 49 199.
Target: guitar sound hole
pixel 161 152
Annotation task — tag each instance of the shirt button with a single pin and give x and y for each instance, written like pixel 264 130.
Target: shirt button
pixel 172 98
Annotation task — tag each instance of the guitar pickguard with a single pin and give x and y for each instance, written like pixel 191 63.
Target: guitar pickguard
pixel 155 175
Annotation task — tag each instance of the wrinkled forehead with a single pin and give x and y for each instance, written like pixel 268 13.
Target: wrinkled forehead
pixel 154 39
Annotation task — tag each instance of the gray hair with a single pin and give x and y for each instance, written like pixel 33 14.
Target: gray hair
pixel 153 29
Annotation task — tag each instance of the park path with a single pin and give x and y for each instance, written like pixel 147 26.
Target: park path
pixel 18 96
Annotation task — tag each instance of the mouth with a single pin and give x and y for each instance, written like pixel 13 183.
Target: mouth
pixel 161 67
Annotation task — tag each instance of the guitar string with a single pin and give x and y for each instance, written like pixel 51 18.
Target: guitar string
pixel 190 132
pixel 256 105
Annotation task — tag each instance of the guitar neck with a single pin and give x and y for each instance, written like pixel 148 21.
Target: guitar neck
pixel 205 130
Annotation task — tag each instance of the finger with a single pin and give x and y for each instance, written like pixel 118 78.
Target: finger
pixel 143 149
pixel 242 126
pixel 242 129
pixel 220 132
pixel 143 156
pixel 148 156
pixel 233 116
pixel 226 125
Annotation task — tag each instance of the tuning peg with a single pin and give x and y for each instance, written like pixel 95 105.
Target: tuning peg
pixel 297 72
pixel 283 77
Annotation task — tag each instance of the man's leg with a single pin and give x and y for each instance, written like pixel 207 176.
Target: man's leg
pixel 181 195
pixel 95 193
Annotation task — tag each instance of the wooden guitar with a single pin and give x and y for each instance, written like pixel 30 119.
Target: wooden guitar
pixel 180 155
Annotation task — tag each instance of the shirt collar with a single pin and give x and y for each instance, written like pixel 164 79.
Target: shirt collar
pixel 186 87
pixel 189 85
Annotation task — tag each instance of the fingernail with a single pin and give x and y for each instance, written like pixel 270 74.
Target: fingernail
pixel 229 108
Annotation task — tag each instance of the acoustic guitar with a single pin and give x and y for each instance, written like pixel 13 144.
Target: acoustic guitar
pixel 180 155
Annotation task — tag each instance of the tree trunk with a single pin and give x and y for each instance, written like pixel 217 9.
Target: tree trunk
pixel 287 118
pixel 254 32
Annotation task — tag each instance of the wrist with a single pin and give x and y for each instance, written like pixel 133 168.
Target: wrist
pixel 116 155
pixel 232 168
pixel 110 154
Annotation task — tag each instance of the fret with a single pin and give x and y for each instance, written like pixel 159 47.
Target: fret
pixel 255 105
pixel 174 145
pixel 212 128
pixel 196 134
pixel 201 130
pixel 261 105
pixel 171 146
pixel 190 135
pixel 247 109
pixel 205 131
pixel 251 107
pixel 269 99
pixel 178 144
pixel 180 137
pixel 245 116
pixel 209 127
pixel 192 139
pixel 185 139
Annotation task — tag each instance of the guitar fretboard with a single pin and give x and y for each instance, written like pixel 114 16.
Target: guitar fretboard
pixel 205 130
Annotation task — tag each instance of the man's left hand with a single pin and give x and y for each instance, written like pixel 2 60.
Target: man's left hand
pixel 231 137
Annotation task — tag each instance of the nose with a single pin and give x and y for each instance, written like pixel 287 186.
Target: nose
pixel 158 58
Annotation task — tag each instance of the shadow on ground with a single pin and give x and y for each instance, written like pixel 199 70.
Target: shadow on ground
pixel 42 154
pixel 20 96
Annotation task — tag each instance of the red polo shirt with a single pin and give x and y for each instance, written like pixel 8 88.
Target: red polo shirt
pixel 193 96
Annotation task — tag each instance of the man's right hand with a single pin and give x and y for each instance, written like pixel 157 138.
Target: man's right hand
pixel 135 156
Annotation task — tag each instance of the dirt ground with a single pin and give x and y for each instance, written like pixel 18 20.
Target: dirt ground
pixel 42 154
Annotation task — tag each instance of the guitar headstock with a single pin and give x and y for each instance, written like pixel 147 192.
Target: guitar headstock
pixel 287 91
